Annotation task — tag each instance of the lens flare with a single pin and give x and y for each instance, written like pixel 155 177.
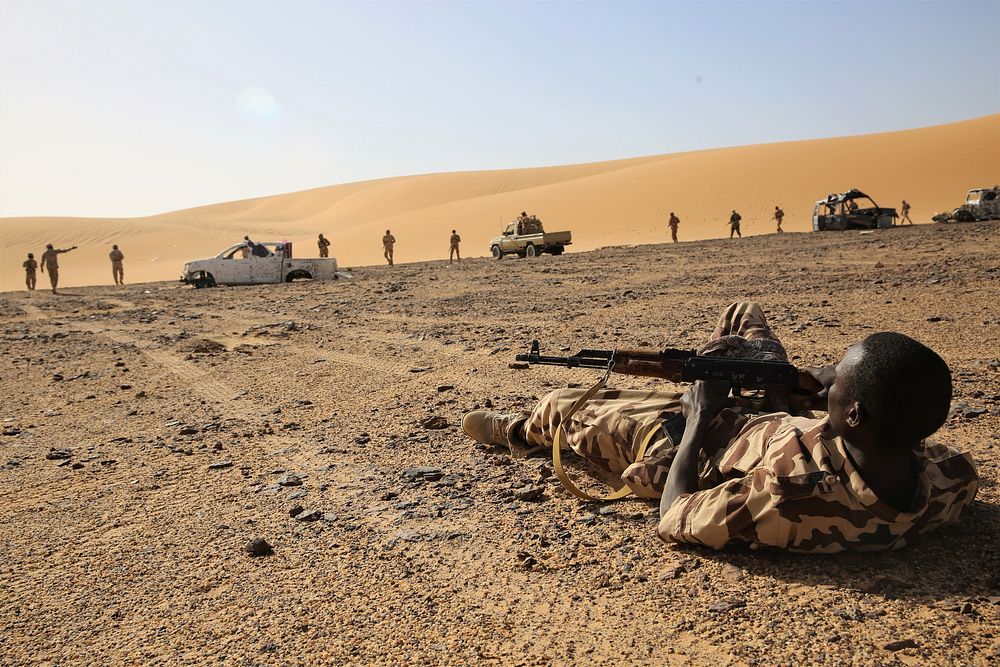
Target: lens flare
pixel 257 103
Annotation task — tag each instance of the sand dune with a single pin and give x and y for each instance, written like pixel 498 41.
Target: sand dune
pixel 603 203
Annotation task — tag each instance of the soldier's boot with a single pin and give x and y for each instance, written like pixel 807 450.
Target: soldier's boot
pixel 492 428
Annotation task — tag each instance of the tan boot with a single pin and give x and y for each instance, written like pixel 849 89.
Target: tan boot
pixel 491 428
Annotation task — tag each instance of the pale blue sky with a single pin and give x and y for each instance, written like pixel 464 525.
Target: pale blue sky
pixel 135 107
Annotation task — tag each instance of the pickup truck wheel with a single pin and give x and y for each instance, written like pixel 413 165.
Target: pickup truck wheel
pixel 298 275
pixel 497 253
pixel 204 280
pixel 530 251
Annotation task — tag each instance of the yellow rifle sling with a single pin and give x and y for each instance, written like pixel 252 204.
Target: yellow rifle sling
pixel 557 446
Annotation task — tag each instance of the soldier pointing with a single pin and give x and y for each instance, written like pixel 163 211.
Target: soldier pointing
pixel 50 263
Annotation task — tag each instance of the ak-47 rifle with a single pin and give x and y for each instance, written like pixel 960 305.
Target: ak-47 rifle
pixel 785 381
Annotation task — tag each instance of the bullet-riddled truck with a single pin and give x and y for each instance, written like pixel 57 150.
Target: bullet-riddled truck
pixel 841 211
pixel 268 262
pixel 527 238
pixel 980 204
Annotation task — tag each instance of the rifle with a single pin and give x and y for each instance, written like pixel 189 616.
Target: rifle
pixel 676 365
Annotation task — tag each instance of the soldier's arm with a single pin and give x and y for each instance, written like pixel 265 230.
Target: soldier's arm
pixel 700 405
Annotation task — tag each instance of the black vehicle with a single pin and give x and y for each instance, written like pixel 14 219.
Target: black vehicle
pixel 842 211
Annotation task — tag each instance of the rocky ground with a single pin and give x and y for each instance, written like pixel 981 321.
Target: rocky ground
pixel 151 432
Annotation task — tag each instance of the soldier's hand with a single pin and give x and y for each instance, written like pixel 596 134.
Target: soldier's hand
pixel 826 376
pixel 704 400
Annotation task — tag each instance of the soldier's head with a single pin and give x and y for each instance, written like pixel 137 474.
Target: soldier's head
pixel 48 246
pixel 453 231
pixel 31 255
pixel 524 213
pixel 114 247
pixel 891 388
pixel 387 231
pixel 321 235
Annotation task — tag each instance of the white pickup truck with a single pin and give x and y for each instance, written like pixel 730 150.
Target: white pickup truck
pixel 270 262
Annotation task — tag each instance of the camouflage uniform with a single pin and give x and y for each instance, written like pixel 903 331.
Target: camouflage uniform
pixel 765 480
pixel 779 215
pixel 29 273
pixel 673 223
pixel 50 263
pixel 324 246
pixel 388 242
pixel 117 270
pixel 453 250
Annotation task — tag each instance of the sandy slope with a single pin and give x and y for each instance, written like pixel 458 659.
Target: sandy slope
pixel 603 203
pixel 131 551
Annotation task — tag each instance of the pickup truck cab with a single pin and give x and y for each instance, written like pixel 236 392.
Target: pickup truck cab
pixel 527 238
pixel 271 262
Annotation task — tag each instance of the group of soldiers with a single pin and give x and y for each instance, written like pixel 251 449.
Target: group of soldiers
pixel 735 218
pixel 50 264
pixel 734 223
pixel 389 246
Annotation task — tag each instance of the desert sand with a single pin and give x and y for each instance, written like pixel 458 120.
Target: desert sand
pixel 151 431
pixel 603 203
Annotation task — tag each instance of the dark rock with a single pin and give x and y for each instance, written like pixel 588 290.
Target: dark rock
pixel 972 413
pixel 434 423
pixel 850 614
pixel 258 547
pixel 363 439
pixel 295 495
pixel 409 536
pixel 530 493
pixel 519 366
pixel 426 474
pixel 290 479
pixel 220 465
pixel 445 387
pixel 59 454
pixel 900 645
pixel 296 510
pixel 309 515
pixel 726 605
pixel 188 430
pixel 388 495
pixel 11 430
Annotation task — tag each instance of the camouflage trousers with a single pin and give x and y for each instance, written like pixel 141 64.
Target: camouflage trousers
pixel 610 428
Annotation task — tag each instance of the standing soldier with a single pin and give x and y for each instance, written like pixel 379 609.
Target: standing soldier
pixel 778 217
pixel 906 213
pixel 117 270
pixel 324 246
pixel 50 262
pixel 388 241
pixel 674 221
pixel 29 270
pixel 453 251
pixel 734 224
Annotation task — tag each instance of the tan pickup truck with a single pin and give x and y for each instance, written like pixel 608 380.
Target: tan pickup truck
pixel 527 238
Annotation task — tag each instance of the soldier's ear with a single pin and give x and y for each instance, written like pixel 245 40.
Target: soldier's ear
pixel 855 415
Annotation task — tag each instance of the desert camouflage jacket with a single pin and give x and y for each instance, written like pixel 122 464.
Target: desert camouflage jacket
pixel 788 482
